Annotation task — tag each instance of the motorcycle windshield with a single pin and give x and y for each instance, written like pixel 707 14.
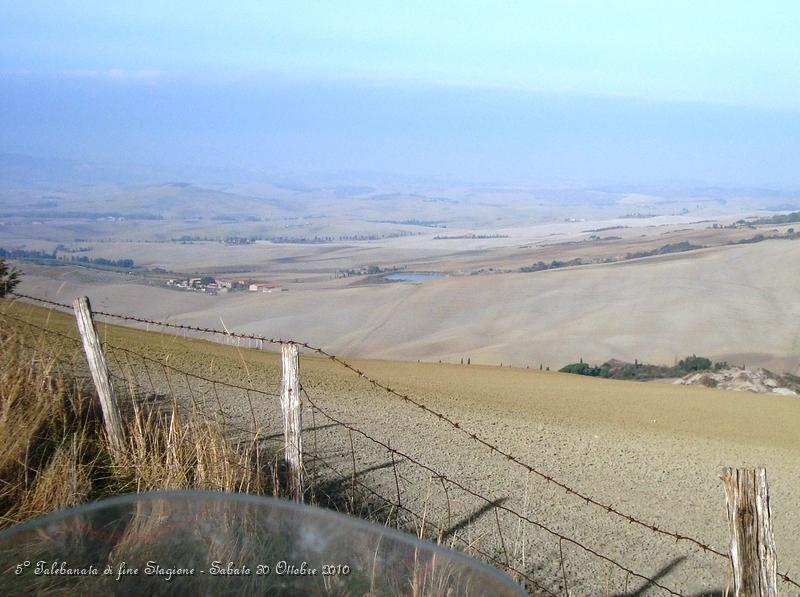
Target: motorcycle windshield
pixel 206 543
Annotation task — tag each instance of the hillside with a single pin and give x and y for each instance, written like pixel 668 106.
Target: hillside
pixel 631 310
pixel 649 449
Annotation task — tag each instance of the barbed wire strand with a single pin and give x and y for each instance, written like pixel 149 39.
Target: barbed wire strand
pixel 489 501
pixel 144 358
pixel 371 491
pixel 110 349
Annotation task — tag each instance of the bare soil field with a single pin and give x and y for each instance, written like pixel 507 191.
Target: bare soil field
pixel 652 450
pixel 735 303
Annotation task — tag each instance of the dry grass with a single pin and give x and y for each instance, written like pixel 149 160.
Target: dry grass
pixel 175 451
pixel 56 454
pixel 52 455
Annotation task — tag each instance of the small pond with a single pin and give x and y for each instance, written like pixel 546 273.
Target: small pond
pixel 414 276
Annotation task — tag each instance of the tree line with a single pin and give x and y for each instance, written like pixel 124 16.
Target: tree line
pixel 35 255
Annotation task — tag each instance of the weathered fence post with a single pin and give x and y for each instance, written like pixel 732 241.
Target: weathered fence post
pixel 99 370
pixel 752 545
pixel 292 420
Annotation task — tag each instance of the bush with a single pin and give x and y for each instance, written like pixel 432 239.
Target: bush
pixel 576 368
pixel 585 369
pixel 9 278
pixel 694 363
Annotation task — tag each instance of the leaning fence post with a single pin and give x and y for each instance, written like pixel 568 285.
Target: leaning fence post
pixel 292 421
pixel 752 544
pixel 99 370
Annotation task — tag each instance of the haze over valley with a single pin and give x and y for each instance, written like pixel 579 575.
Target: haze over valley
pixel 498 274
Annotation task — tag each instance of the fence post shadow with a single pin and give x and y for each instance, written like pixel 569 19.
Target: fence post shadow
pixel 470 518
pixel 661 574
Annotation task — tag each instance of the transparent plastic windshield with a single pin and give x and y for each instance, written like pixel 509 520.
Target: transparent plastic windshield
pixel 203 543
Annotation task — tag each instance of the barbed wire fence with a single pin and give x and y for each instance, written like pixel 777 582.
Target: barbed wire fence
pixel 149 375
pixel 158 375
pixel 129 367
pixel 143 375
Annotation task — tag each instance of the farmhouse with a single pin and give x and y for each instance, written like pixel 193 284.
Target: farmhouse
pixel 204 284
pixel 232 284
pixel 264 287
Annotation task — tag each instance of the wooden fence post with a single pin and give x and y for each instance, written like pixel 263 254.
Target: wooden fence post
pixel 752 545
pixel 292 420
pixel 99 370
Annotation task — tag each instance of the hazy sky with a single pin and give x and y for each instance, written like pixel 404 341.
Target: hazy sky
pixel 519 91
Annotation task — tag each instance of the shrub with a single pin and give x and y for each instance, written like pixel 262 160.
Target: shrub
pixel 586 369
pixel 694 363
pixel 9 278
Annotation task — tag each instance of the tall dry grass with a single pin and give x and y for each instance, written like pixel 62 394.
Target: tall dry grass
pixel 54 452
pixel 53 455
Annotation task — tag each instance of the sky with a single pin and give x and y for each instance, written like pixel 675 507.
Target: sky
pixel 532 91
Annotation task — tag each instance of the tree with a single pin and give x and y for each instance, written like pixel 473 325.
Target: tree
pixel 586 369
pixel 9 278
pixel 694 363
